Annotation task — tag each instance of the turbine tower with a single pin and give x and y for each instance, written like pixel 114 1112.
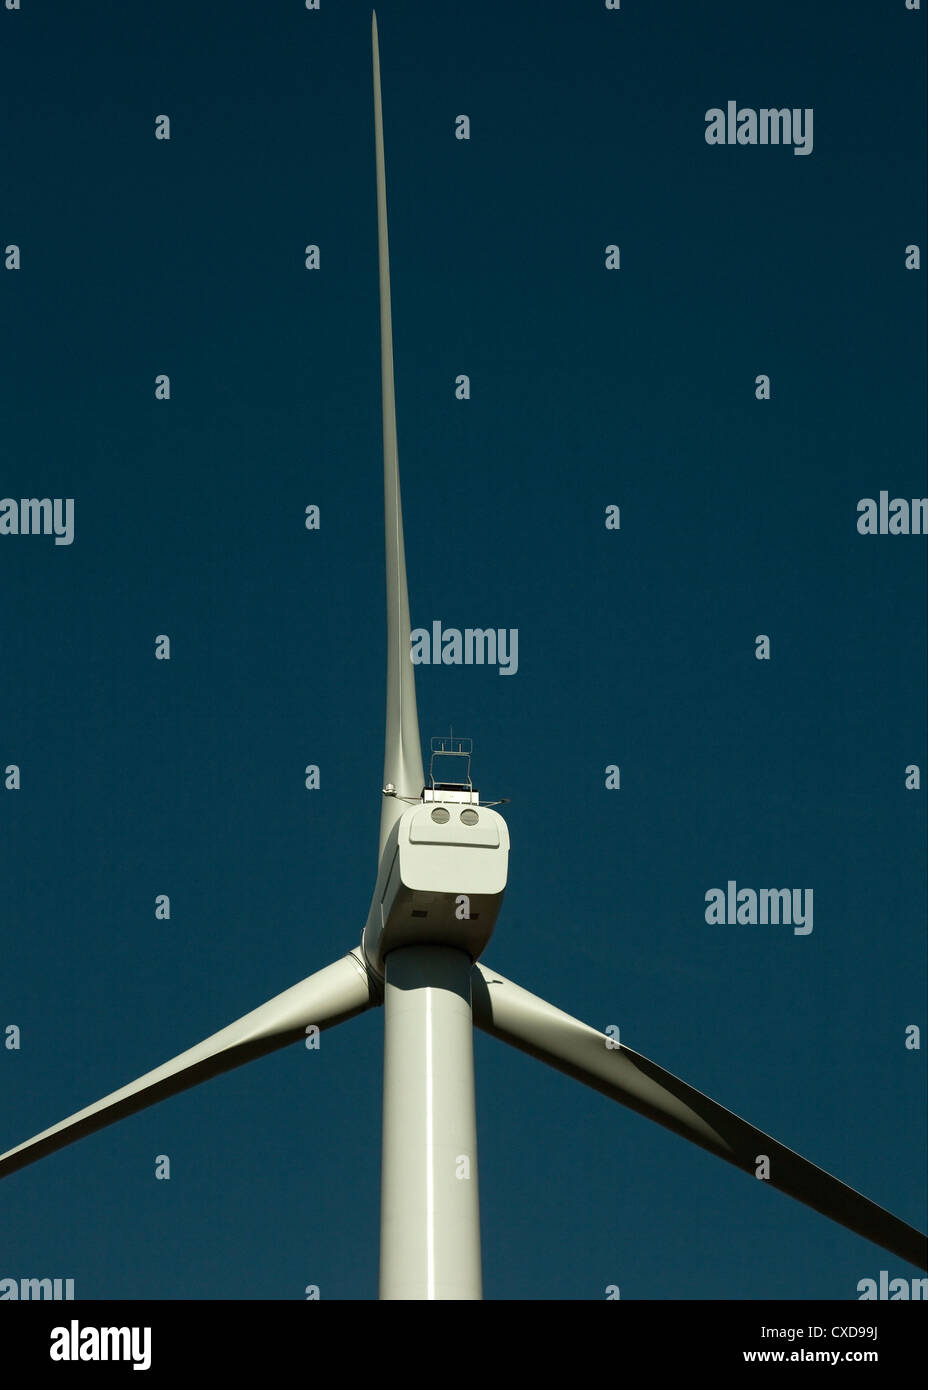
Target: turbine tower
pixel 443 857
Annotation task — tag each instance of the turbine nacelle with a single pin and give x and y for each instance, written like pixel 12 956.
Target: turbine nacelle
pixel 441 881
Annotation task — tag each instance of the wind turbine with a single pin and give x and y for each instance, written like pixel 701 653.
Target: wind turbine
pixel 443 857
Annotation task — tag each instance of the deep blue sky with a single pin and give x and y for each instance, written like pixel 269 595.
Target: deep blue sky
pixel 635 647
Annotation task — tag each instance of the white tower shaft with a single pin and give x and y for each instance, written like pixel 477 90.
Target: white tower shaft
pixel 430 1218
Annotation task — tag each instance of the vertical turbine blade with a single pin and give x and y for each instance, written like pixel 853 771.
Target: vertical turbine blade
pixel 402 764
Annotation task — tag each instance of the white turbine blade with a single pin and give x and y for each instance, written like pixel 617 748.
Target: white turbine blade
pixel 402 764
pixel 534 1026
pixel 330 996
